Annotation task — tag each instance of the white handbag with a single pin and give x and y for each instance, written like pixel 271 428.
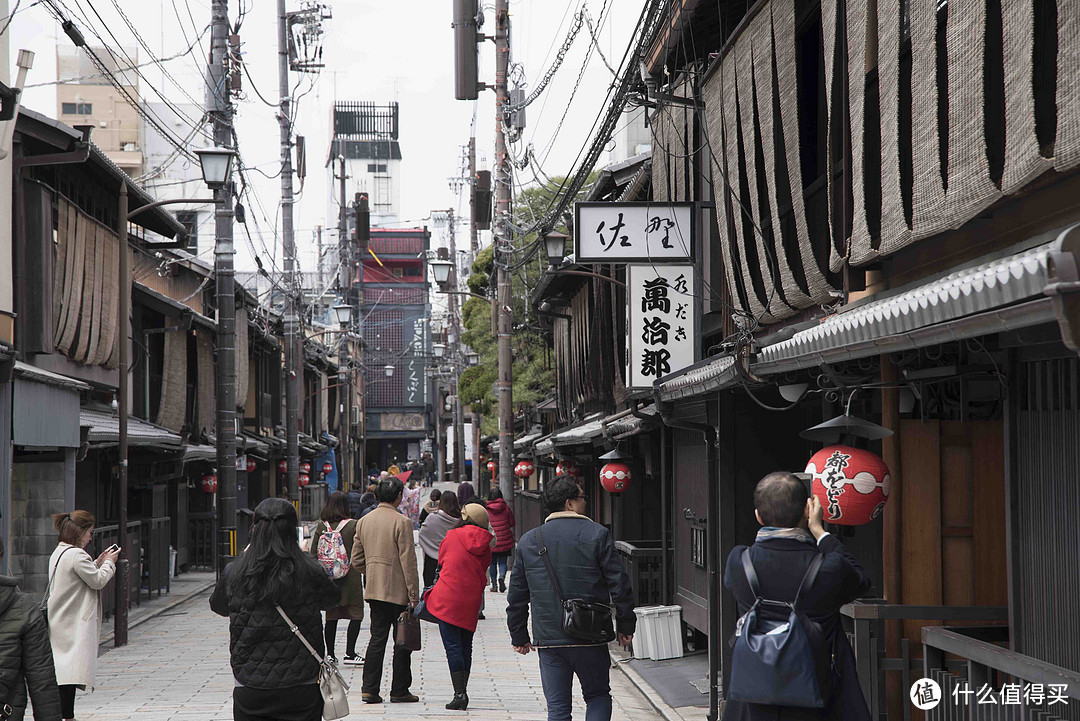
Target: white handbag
pixel 334 690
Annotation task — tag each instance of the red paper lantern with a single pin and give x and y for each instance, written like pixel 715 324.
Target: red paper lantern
pixel 305 467
pixel 524 469
pixel 491 466
pixel 615 477
pixel 282 466
pixel 327 467
pixel 566 468
pixel 851 484
pixel 209 483
pixel 303 479
pixel 250 465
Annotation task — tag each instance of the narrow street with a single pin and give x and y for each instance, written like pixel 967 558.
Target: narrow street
pixel 176 666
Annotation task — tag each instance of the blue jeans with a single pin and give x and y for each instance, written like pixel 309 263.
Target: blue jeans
pixel 458 644
pixel 497 569
pixel 592 665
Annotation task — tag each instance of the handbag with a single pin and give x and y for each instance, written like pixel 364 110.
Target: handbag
pixel 407 635
pixel 44 605
pixel 586 621
pixel 420 610
pixel 334 690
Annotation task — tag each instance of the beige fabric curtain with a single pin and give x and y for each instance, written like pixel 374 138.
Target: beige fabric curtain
pixel 172 411
pixel 895 231
pixel 1067 143
pixel 1023 163
pixel 856 53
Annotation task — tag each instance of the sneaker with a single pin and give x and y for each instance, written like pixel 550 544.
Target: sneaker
pixel 351 659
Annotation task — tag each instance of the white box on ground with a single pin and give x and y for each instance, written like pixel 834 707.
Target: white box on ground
pixel 659 632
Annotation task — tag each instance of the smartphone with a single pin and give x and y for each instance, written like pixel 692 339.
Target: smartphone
pixel 112 549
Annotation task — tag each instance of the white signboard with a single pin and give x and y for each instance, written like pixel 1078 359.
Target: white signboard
pixel 645 232
pixel 662 320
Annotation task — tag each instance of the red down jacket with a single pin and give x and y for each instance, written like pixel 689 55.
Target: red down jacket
pixel 502 522
pixel 464 557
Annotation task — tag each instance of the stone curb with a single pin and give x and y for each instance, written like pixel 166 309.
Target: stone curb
pixel 171 604
pixel 646 690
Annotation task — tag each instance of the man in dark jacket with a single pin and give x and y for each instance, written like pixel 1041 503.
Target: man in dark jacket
pixel 26 659
pixel 586 565
pixel 792 534
pixel 355 497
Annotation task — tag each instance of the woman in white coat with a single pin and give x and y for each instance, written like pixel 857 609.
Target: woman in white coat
pixel 74 604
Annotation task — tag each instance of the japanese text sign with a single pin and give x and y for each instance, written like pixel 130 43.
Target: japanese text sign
pixel 662 321
pixel 646 232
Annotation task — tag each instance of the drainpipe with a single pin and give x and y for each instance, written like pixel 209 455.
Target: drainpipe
pixel 712 520
pixel 24 62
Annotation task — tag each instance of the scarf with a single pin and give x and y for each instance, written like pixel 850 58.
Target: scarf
pixel 767 533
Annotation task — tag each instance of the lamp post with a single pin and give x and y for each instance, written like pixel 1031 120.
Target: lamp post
pixel 555 246
pixel 344 314
pixel 216 166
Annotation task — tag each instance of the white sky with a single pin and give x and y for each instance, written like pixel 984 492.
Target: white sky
pixel 374 50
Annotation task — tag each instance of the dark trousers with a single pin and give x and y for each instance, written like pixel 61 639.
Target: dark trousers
pixel 497 569
pixel 293 703
pixel 430 566
pixel 592 665
pixel 351 634
pixel 67 700
pixel 458 644
pixel 384 620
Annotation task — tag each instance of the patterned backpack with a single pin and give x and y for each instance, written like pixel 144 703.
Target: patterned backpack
pixel 331 552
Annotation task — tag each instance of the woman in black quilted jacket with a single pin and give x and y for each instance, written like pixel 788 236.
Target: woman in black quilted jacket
pixel 276 677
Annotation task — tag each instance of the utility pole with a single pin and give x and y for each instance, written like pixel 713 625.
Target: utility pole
pixel 474 247
pixel 456 356
pixel 344 284
pixel 363 238
pixel 503 246
pixel 293 344
pixel 319 260
pixel 221 114
pixel 123 575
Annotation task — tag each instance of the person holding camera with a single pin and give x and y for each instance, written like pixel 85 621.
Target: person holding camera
pixel 73 604
pixel 568 573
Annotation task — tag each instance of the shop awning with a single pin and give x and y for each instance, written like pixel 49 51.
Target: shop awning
pixel 584 432
pixel 105 431
pixel 543 445
pixel 37 375
pixel 256 446
pixel 711 375
pixel 965 303
pixel 629 425
pixel 525 442
pixel 44 408
pixel 198 452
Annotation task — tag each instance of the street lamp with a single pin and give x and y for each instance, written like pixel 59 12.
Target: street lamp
pixel 439 349
pixel 216 166
pixel 440 269
pixel 389 370
pixel 555 245
pixel 472 358
pixel 344 314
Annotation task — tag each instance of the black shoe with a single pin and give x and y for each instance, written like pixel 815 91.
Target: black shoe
pixel 481 616
pixel 407 698
pixel 460 701
pixel 502 586
pixel 371 698
pixel 494 588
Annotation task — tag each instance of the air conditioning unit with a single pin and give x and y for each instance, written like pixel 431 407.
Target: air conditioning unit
pixel 130 147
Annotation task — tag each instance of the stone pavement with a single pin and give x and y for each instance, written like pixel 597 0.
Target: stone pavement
pixel 176 667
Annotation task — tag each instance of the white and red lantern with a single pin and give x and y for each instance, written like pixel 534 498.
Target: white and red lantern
pixel 327 467
pixel 852 484
pixel 250 465
pixel 282 466
pixel 305 467
pixel 566 468
pixel 303 479
pixel 491 466
pixel 524 469
pixel 615 477
pixel 209 483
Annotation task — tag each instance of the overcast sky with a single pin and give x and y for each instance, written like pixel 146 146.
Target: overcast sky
pixel 374 50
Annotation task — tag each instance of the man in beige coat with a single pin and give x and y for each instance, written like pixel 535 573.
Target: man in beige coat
pixel 384 552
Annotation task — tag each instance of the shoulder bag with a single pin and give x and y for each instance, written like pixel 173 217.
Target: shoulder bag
pixel 420 610
pixel 334 690
pixel 586 621
pixel 44 605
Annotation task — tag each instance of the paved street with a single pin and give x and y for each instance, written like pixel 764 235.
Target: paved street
pixel 177 667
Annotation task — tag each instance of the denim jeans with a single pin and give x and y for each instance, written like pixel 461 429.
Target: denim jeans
pixel 458 644
pixel 497 569
pixel 592 665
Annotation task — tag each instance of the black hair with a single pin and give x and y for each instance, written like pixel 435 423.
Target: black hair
pixel 558 492
pixel 273 568
pixel 780 499
pixel 389 489
pixel 435 494
pixel 494 493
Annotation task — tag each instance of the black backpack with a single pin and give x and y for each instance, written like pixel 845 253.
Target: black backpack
pixel 782 663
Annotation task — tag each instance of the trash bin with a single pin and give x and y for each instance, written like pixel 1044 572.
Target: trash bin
pixel 659 632
pixel 172 562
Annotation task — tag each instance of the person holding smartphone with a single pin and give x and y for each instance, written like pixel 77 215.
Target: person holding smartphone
pixel 73 604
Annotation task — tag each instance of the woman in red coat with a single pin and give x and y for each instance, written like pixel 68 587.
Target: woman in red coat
pixel 502 522
pixel 464 556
